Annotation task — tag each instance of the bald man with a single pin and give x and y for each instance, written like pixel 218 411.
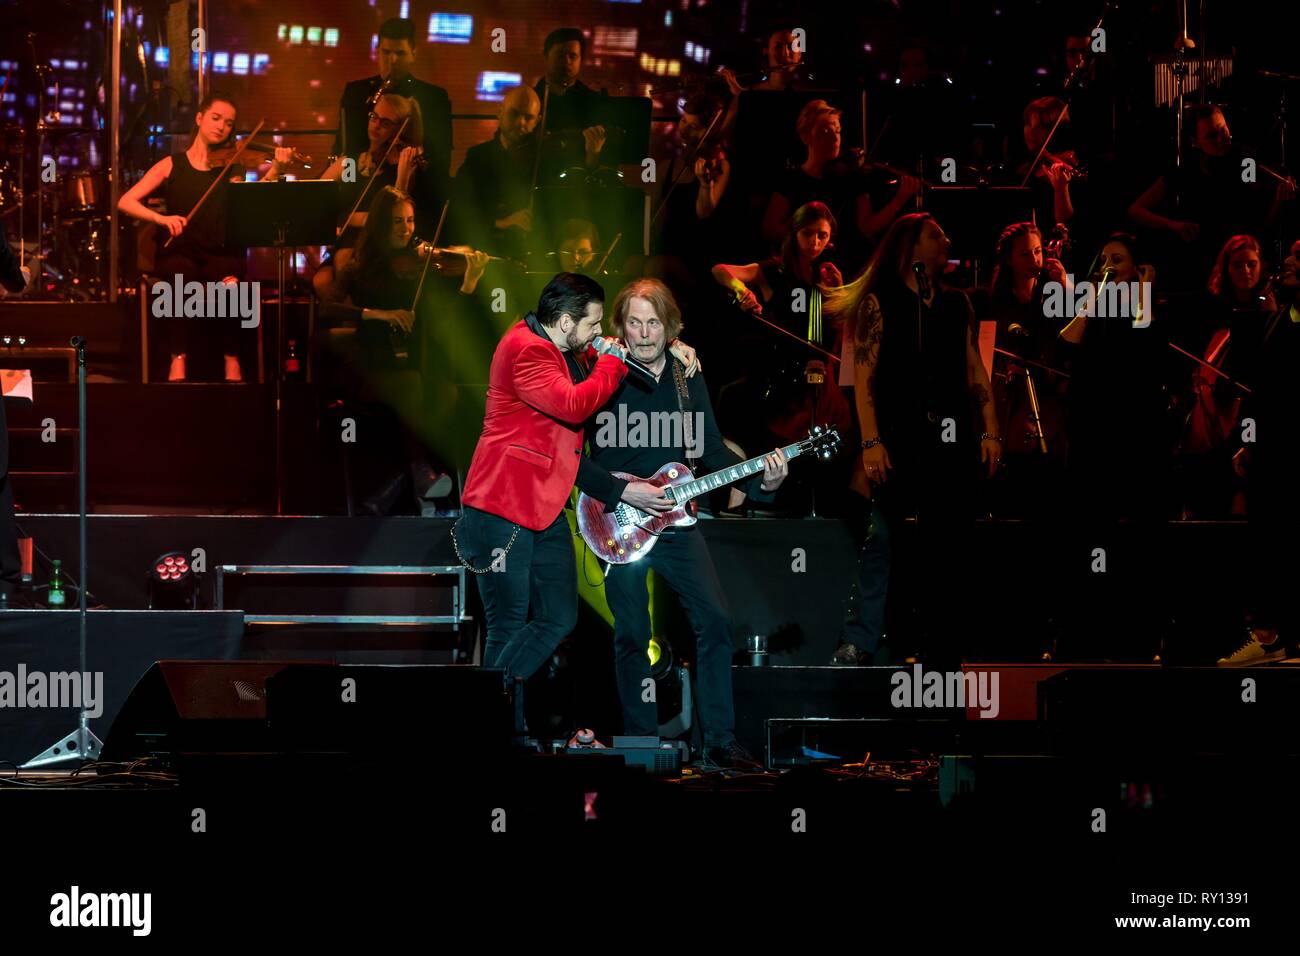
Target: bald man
pixel 493 184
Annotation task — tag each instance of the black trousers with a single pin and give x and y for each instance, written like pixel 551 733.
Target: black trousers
pixel 681 559
pixel 537 573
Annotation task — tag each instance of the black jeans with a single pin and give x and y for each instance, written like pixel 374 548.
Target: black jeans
pixel 537 573
pixel 681 559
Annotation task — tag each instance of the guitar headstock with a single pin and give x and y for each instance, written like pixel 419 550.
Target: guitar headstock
pixel 822 441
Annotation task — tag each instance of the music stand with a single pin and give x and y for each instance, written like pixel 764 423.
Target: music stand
pixel 281 215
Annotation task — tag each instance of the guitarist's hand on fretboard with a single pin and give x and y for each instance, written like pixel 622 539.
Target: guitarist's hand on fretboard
pixel 647 497
pixel 775 469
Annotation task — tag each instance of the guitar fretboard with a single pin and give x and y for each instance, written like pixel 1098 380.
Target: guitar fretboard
pixel 718 479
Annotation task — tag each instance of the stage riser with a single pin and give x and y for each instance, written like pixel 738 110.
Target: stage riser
pixel 122 549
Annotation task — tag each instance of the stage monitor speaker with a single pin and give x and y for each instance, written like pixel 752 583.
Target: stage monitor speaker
pixel 197 707
pixel 418 712
pixel 316 707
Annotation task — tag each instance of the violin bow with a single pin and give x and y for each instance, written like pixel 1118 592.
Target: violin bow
pixel 373 176
pixel 541 132
pixel 600 268
pixel 429 258
pixel 220 179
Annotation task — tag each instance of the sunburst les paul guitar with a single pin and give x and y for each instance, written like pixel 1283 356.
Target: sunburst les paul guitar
pixel 627 534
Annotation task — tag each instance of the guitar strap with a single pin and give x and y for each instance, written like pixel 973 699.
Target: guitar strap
pixel 684 409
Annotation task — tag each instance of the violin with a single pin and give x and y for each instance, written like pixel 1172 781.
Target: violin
pixel 410 262
pixel 1074 170
pixel 420 162
pixel 220 155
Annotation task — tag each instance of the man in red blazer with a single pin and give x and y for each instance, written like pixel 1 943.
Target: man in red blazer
pixel 512 532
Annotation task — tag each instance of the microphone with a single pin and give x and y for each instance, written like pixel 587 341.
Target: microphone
pixel 922 279
pixel 610 347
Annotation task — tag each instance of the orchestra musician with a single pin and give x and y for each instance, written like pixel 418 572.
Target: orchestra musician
pixel 396 55
pixel 388 161
pixel 846 187
pixel 1270 464
pixel 1239 305
pixel 493 188
pixel 198 249
pixel 571 105
pixel 378 279
pixel 775 400
pixel 782 63
pixel 1050 182
pixel 1028 392
pixel 1205 201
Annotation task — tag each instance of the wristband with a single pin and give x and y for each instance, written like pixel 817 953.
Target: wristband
pixel 870 443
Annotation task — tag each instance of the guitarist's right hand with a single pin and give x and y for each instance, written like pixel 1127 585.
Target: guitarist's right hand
pixel 174 225
pixel 647 497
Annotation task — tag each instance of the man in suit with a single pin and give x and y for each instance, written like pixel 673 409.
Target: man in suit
pixel 572 109
pixel 396 55
pixel 512 532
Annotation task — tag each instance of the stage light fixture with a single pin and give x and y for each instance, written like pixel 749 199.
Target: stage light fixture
pixel 173 583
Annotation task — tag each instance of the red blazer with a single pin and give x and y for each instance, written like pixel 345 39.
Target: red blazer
pixel 527 457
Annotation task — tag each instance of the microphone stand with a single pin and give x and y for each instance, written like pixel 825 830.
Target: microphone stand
pixel 81 744
pixel 922 283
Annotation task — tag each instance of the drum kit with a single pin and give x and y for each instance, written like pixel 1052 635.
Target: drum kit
pixel 64 225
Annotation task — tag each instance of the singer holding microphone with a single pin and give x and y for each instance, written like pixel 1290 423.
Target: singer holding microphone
pixel 916 373
pixel 1118 463
pixel 545 382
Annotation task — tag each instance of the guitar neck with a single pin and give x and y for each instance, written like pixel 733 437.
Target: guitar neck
pixel 728 476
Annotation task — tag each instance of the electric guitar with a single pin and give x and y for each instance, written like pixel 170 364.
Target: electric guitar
pixel 627 534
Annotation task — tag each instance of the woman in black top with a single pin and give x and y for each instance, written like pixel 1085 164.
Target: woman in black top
pixel 198 251
pixel 789 290
pixel 854 195
pixel 1229 336
pixel 1014 302
pixel 402 167
pixel 916 369
pixel 378 279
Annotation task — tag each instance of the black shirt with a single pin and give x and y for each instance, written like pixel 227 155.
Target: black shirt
pixel 610 436
pixel 201 251
pixel 919 384
pixel 492 183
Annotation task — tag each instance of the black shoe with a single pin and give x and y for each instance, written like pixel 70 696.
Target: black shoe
pixel 731 757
